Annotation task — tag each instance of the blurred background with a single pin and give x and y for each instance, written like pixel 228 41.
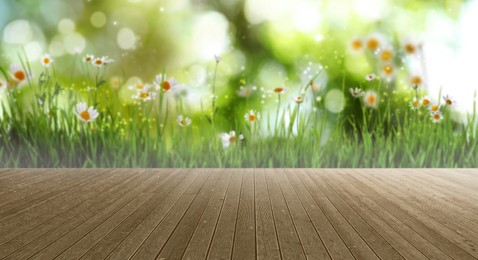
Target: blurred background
pixel 262 43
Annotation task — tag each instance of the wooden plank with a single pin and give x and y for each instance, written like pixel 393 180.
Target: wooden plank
pixel 158 238
pixel 199 244
pixel 135 239
pixel 178 241
pixel 331 239
pixel 29 232
pixel 29 191
pixel 13 192
pixel 289 243
pixel 311 242
pixel 349 235
pixel 41 211
pixel 223 239
pixel 19 186
pixel 46 197
pixel 53 250
pixel 399 243
pixel 15 176
pixel 379 245
pixel 439 199
pixel 65 235
pixel 466 180
pixel 159 190
pixel 266 235
pixel 461 236
pixel 245 235
pixel 104 247
pixel 450 193
pixel 431 235
pixel 414 238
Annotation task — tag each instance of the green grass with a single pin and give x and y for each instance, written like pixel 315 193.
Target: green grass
pixel 48 134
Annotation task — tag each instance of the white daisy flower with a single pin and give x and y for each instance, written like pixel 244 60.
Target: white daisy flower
pixel 88 58
pixel 388 71
pixel 252 116
pixel 370 77
pixel 449 101
pixel 373 42
pixel 356 92
pixel 370 99
pixel 19 75
pixel 425 101
pixel 86 114
pixel 217 58
pixel 415 104
pixel 280 90
pixel 434 108
pixel 144 94
pixel 138 86
pixel 100 62
pixel 386 54
pixel 165 84
pixel 356 45
pixel 436 117
pixel 183 121
pixel 230 138
pixel 299 99
pixel 46 60
pixel 416 81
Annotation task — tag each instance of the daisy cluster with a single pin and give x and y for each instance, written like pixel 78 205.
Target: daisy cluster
pixel 370 97
pixel 97 62
pixel 386 56
pixel 434 108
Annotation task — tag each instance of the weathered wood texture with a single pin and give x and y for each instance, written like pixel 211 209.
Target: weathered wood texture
pixel 239 214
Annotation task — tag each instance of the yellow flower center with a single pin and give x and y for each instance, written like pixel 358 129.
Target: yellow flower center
pixel 46 60
pixel 388 69
pixel 371 99
pixel 139 86
pixel 278 90
pixel 144 95
pixel 410 48
pixel 425 102
pixel 252 117
pixel 436 116
pixel 166 85
pixel 449 102
pixel 416 80
pixel 386 55
pixel 357 44
pixel 88 59
pixel 182 123
pixel 19 75
pixel 232 139
pixel 415 103
pixel 434 108
pixel 373 43
pixel 98 62
pixel 85 115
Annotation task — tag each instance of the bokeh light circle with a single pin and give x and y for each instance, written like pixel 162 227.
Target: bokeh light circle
pixel 17 32
pixel 334 101
pixel 66 26
pixel 98 19
pixel 126 39
pixel 74 43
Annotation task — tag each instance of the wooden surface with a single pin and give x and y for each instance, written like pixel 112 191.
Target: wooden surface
pixel 238 214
